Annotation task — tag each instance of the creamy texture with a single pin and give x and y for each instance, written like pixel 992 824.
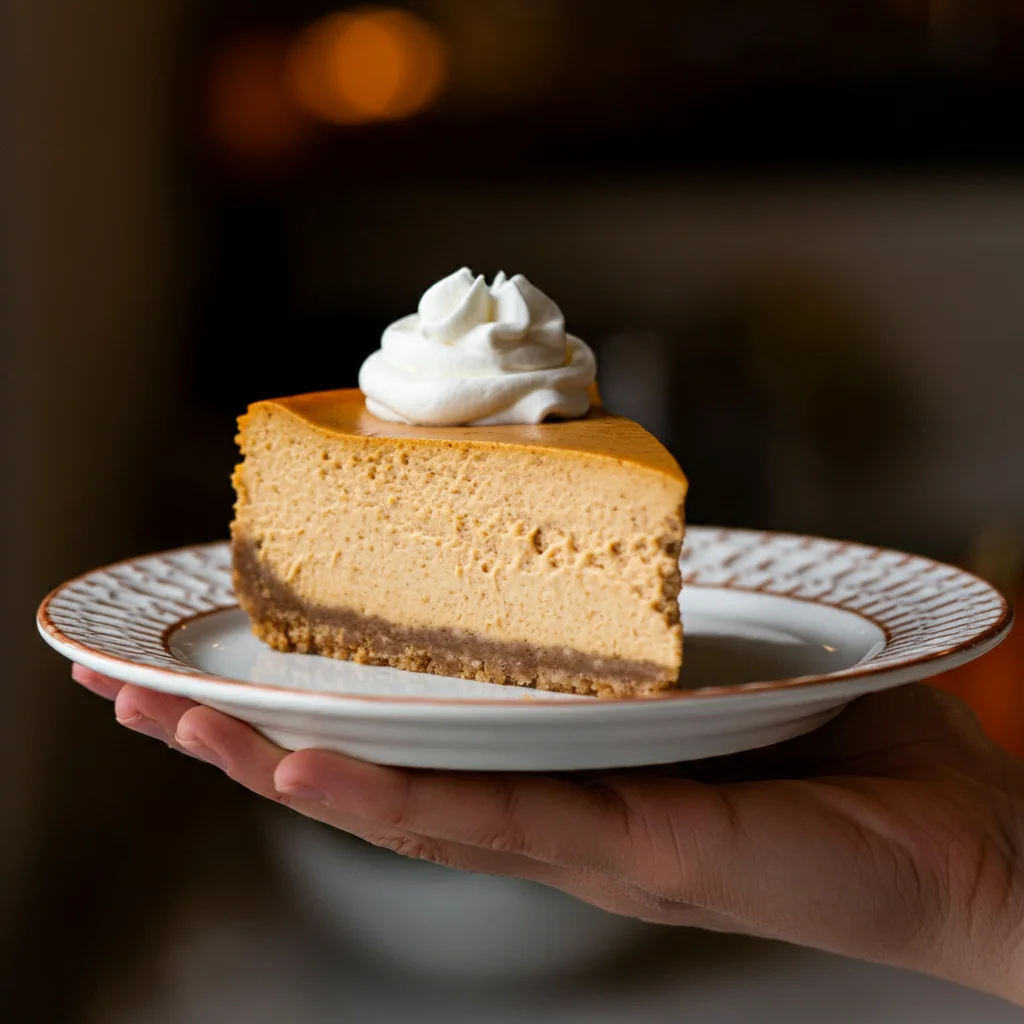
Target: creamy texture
pixel 483 539
pixel 479 355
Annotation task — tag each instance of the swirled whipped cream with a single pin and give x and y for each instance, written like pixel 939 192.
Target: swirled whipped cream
pixel 479 355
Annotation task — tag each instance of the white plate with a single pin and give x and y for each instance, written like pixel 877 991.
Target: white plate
pixel 781 633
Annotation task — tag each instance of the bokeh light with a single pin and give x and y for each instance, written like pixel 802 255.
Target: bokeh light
pixel 369 64
pixel 249 111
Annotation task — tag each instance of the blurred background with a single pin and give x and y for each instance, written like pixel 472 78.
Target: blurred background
pixel 792 230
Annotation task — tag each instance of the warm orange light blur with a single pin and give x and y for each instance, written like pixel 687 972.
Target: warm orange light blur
pixel 370 64
pixel 250 114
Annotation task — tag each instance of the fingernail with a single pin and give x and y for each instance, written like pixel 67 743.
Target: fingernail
pixel 147 726
pixel 300 792
pixel 203 752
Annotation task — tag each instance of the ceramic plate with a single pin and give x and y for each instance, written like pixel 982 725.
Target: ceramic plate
pixel 781 633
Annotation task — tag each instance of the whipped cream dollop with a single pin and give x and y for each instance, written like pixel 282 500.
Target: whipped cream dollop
pixel 479 355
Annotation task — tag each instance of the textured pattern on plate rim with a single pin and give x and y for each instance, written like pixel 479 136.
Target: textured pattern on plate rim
pixel 926 609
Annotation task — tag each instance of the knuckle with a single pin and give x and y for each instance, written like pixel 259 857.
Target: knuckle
pixel 392 817
pixel 411 846
pixel 508 836
pixel 507 839
pixel 662 857
pixel 394 813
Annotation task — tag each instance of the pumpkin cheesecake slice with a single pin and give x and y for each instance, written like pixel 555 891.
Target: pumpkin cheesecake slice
pixel 542 556
pixel 532 554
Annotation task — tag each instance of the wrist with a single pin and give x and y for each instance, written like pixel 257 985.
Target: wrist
pixel 1003 975
pixel 998 954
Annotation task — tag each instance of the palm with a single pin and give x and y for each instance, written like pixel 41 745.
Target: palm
pixel 884 820
pixel 891 834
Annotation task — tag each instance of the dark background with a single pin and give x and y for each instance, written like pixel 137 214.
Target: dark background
pixel 793 231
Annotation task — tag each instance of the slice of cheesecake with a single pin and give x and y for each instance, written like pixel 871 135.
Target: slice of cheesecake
pixel 535 555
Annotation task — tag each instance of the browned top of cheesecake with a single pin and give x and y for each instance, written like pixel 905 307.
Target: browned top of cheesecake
pixel 598 433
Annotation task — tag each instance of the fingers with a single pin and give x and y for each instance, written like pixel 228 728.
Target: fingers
pixel 143 711
pixel 666 842
pixel 549 820
pixel 346 794
pixel 152 714
pixel 155 714
pixel 610 842
pixel 102 686
pixel 233 746
pixel 252 760
pixel 555 832
pixel 383 806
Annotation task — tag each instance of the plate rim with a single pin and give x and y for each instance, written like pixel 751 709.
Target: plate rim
pixel 958 653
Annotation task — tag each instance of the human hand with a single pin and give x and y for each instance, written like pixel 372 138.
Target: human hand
pixel 893 834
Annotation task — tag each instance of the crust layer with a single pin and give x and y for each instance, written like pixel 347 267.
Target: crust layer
pixel 287 623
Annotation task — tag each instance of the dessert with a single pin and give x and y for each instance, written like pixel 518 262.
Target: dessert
pixel 435 521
